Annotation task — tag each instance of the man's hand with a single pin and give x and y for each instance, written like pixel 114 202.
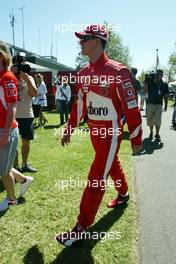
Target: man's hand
pixel 32 89
pixel 165 109
pixel 65 140
pixel 136 148
pixel 24 76
pixel 4 138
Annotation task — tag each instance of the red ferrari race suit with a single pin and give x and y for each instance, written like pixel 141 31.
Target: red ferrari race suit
pixel 8 94
pixel 105 92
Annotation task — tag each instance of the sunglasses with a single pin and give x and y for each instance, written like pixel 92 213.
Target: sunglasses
pixel 86 38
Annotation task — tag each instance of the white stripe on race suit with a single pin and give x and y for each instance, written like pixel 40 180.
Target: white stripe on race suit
pixel 112 150
pixel 2 97
pixel 79 106
pixel 135 132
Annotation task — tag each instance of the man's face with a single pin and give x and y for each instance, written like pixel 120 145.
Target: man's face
pixel 159 75
pixel 88 44
pixel 15 71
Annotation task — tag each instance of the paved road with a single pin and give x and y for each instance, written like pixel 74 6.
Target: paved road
pixel 156 194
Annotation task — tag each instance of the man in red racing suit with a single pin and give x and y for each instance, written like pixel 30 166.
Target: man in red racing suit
pixel 105 92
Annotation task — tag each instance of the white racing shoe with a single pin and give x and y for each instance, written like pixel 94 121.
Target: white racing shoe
pixel 24 186
pixel 71 237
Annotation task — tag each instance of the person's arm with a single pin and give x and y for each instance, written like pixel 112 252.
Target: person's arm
pixel 69 93
pixel 57 93
pixel 126 93
pixel 145 88
pixel 11 112
pixel 32 89
pixel 77 113
pixel 9 97
pixel 166 96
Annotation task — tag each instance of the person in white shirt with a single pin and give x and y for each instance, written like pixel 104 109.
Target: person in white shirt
pixel 41 98
pixel 63 96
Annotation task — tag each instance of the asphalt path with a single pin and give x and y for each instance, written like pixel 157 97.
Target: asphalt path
pixel 155 172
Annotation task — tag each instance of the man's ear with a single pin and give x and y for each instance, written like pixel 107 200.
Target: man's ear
pixel 98 42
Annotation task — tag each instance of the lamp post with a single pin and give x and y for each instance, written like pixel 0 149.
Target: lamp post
pixel 157 59
pixel 12 23
pixel 22 16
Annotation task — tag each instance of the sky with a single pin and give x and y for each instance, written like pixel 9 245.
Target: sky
pixel 144 26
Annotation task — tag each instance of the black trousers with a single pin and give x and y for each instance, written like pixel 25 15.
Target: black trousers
pixel 63 110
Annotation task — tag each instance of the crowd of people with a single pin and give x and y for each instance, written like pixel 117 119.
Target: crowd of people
pixel 104 104
pixel 9 130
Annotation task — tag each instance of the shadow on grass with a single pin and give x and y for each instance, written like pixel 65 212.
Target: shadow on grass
pixel 33 256
pixel 150 146
pixel 3 213
pixel 36 126
pixel 126 135
pixel 54 111
pixel 82 252
pixel 1 187
pixel 51 126
pixel 20 200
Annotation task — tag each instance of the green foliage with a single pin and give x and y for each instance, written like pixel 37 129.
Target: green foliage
pixel 141 77
pixel 172 63
pixel 81 60
pixel 115 48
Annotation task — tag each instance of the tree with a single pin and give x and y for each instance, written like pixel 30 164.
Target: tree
pixel 172 63
pixel 115 49
pixel 141 77
pixel 81 61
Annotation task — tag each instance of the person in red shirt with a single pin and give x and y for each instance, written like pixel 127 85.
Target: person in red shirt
pixel 105 91
pixel 9 131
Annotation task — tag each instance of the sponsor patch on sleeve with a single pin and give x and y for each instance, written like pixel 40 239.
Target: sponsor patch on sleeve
pixel 126 84
pixel 128 90
pixel 11 89
pixel 129 94
pixel 132 104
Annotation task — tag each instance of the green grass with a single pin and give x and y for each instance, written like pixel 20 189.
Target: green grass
pixel 27 231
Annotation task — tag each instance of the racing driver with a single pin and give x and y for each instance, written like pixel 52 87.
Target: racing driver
pixel 105 90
